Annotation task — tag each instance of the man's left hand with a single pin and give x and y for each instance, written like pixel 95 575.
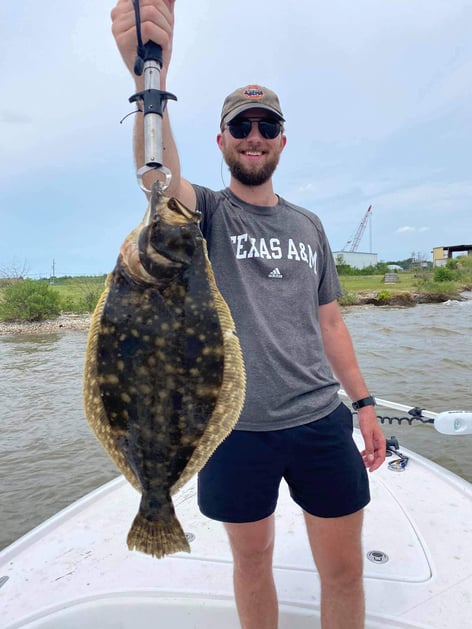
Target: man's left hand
pixel 374 439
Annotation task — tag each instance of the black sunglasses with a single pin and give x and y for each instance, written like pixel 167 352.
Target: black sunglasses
pixel 241 127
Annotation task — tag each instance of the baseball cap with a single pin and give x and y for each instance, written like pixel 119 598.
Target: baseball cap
pixel 250 97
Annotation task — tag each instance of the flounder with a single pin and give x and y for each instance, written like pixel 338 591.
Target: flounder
pixel 164 379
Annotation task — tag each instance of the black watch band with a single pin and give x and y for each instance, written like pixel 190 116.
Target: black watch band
pixel 366 401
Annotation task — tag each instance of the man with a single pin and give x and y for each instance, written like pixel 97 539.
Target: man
pixel 275 269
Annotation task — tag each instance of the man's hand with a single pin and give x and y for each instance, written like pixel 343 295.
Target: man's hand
pixel 157 25
pixel 374 439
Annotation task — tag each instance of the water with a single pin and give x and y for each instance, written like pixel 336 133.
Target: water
pixel 49 458
pixel 422 357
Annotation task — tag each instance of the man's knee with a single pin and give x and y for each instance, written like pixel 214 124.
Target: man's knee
pixel 337 548
pixel 252 544
pixel 344 575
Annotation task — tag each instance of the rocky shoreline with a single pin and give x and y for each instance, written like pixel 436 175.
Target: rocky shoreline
pixel 65 321
pixel 405 299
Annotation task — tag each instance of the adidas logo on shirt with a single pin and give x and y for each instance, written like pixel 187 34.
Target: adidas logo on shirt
pixel 275 273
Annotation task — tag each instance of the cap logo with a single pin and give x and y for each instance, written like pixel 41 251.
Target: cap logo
pixel 253 91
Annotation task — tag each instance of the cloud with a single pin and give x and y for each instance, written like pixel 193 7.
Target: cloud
pixel 15 118
pixel 429 196
pixel 408 229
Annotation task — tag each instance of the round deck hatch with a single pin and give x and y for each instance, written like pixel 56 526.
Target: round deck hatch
pixel 377 556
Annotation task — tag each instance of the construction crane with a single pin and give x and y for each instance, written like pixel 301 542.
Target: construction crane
pixel 353 244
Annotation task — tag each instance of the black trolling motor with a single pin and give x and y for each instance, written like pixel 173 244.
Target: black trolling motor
pixel 153 101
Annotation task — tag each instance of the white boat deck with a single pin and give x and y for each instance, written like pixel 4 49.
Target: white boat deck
pixel 75 570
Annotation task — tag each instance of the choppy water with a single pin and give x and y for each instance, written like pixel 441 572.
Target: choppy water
pixel 48 457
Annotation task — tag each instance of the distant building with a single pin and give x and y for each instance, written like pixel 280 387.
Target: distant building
pixel 355 259
pixel 442 254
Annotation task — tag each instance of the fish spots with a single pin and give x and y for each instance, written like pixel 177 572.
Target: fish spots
pixel 205 391
pixel 145 389
pixel 186 440
pixel 110 379
pixel 215 351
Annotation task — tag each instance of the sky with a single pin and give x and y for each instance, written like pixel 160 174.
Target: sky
pixel 376 94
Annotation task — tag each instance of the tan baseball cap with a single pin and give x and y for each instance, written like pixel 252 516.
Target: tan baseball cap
pixel 250 97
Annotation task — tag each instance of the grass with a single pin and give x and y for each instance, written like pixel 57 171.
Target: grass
pixel 370 283
pixel 79 294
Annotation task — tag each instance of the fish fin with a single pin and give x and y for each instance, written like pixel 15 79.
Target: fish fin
pixel 157 538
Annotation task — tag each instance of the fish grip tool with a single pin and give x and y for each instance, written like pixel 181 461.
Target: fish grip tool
pixel 397 465
pixel 154 101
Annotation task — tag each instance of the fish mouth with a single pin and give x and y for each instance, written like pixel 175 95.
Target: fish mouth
pixel 172 211
pixel 180 208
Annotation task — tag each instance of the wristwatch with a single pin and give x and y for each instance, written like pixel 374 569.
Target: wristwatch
pixel 366 401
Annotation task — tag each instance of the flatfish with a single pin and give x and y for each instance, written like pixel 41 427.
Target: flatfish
pixel 164 379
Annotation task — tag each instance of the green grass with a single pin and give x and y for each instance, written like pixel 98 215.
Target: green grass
pixel 79 294
pixel 370 283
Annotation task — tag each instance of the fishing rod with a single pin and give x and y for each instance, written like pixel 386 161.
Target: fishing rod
pixel 154 101
pixel 446 422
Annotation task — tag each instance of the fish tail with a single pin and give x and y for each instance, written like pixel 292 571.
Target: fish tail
pixel 157 537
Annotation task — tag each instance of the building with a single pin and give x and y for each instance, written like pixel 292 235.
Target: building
pixel 442 254
pixel 355 259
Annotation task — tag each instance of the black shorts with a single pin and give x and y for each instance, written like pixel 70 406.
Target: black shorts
pixel 319 461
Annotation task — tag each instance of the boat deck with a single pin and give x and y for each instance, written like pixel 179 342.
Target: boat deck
pixel 78 562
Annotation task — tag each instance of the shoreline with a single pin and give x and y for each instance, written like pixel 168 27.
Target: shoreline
pixel 71 321
pixel 65 321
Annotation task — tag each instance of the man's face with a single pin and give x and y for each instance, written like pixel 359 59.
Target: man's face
pixel 251 160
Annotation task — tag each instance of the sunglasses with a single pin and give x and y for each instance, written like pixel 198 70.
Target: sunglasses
pixel 241 128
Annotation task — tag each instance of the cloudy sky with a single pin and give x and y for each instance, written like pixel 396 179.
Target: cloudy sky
pixel 377 96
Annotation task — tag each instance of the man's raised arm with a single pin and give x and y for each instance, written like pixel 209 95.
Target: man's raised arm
pixel 157 25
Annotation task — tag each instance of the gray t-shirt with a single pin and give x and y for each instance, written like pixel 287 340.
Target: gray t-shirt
pixel 274 267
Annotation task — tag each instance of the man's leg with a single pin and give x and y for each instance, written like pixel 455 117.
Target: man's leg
pixel 337 551
pixel 252 545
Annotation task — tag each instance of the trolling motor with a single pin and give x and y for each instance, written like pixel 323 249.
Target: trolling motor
pixel 154 101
